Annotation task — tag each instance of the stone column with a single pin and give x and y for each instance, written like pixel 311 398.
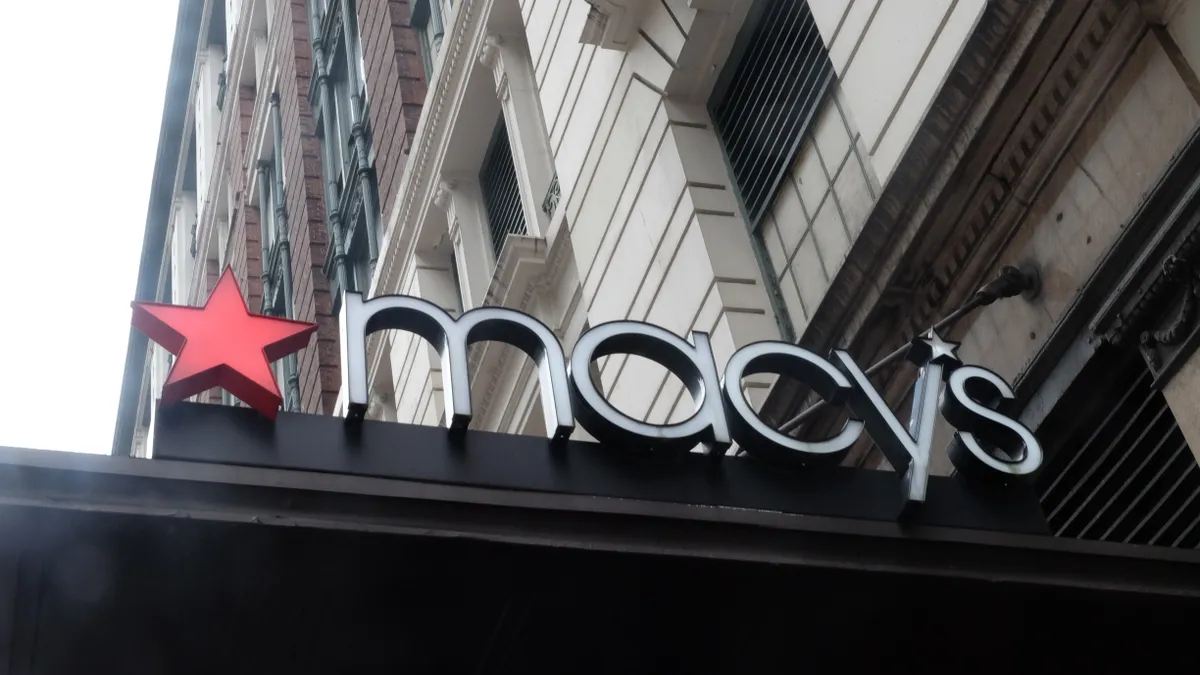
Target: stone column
pixel 183 248
pixel 462 200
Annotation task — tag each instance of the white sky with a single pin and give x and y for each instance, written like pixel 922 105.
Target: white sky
pixel 83 101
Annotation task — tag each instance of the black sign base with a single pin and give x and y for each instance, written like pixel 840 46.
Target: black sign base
pixel 239 436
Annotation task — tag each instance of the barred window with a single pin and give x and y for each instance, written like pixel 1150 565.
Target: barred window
pixel 767 96
pixel 501 194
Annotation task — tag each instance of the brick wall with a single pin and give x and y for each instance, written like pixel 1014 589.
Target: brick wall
pixel 395 88
pixel 319 375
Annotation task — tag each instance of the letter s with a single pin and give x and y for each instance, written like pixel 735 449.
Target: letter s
pixel 980 427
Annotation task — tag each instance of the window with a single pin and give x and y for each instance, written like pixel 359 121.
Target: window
pixel 273 306
pixel 1117 466
pixel 427 20
pixel 276 273
pixel 767 96
pixel 342 147
pixel 346 99
pixel 271 223
pixel 763 103
pixel 266 211
pixel 501 194
pixel 358 270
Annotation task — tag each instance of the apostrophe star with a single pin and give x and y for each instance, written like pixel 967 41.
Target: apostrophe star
pixel 931 348
pixel 222 345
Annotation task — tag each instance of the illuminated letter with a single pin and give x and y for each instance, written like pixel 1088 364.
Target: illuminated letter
pixel 692 362
pixel 978 425
pixel 451 338
pixel 906 450
pixel 759 439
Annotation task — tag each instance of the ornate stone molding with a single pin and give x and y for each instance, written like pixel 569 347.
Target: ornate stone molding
pixel 441 197
pixel 613 24
pixel 1154 306
pixel 489 53
pixel 553 195
pixel 490 56
pixel 378 404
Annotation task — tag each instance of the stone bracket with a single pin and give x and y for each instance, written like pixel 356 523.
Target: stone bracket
pixel 613 24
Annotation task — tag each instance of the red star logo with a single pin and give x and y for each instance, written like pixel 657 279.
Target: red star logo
pixel 222 345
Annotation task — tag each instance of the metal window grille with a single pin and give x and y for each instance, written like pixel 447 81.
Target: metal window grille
pixel 765 99
pixel 1121 471
pixel 501 196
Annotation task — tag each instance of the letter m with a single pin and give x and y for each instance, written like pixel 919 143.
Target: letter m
pixel 451 337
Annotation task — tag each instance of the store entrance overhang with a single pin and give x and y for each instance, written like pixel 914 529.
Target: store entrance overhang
pixel 211 557
pixel 89 592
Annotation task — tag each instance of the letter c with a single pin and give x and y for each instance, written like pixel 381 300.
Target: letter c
pixel 759 439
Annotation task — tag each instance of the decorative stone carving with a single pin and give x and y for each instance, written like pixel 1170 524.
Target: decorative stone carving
pixel 1153 308
pixel 553 194
pixel 490 56
pixel 1174 293
pixel 955 252
pixel 613 24
pixel 441 196
pixel 378 404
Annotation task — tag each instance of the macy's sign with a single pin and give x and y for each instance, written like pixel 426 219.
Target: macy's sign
pixel 988 445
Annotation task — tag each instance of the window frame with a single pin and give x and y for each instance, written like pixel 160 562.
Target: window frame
pixel 429 25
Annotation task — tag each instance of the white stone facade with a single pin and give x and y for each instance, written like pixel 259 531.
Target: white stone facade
pixel 607 100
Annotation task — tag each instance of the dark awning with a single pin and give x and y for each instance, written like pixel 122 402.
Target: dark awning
pixel 135 566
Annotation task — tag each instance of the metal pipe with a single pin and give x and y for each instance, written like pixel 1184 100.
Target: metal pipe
pixel 325 96
pixel 264 230
pixel 1011 282
pixel 284 255
pixel 366 178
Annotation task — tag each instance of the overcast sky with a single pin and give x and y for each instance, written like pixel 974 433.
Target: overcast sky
pixel 84 98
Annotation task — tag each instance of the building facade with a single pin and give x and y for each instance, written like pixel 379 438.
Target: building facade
pixel 269 166
pixel 837 174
